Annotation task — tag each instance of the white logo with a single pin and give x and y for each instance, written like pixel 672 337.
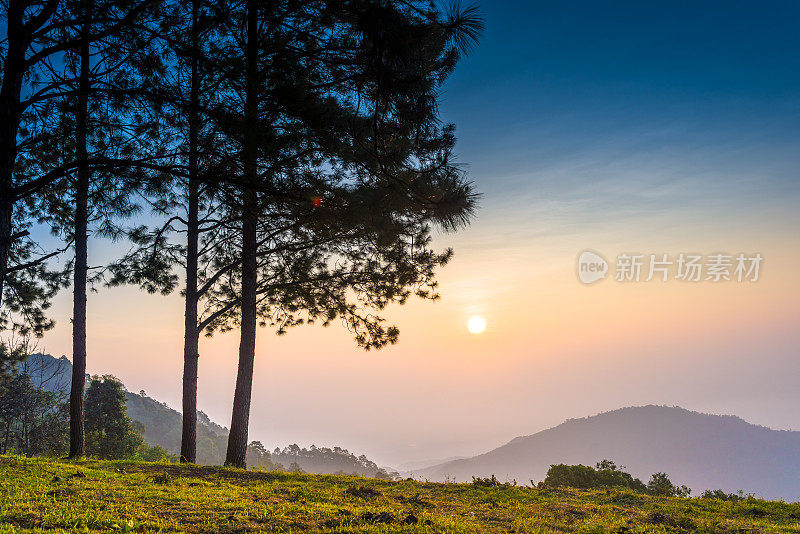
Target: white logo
pixel 717 268
pixel 591 267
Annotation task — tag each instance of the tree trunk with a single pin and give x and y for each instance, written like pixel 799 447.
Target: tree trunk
pixel 76 415
pixel 237 439
pixel 6 211
pixel 26 436
pixel 191 333
pixel 5 439
pixel 13 71
pixel 190 360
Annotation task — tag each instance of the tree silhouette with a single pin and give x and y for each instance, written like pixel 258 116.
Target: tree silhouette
pixel 344 168
pixel 298 145
pixel 195 204
pixel 97 118
pixel 331 181
pixel 35 59
pixel 71 69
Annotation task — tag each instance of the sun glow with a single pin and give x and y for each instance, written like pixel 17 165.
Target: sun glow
pixel 476 324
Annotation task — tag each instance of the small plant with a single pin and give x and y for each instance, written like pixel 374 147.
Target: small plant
pixel 162 478
pixel 660 485
pixel 720 495
pixel 490 482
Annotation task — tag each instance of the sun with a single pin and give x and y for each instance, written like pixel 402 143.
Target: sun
pixel 476 324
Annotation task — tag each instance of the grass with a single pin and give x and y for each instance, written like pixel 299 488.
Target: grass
pixel 38 495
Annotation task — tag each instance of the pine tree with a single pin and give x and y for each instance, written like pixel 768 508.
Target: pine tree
pixel 40 35
pixel 191 350
pixel 192 206
pixel 95 130
pixel 26 285
pixel 81 236
pixel 342 164
pixel 321 168
pixel 237 438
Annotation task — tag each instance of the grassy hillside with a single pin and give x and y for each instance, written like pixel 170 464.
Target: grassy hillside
pixel 55 496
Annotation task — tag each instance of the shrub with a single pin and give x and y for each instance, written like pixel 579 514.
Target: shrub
pixel 661 485
pixel 154 453
pixel 383 474
pixel 608 475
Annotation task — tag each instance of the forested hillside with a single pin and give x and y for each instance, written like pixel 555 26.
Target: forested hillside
pixel 162 426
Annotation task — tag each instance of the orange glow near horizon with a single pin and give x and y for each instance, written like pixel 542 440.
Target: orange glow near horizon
pixel 554 342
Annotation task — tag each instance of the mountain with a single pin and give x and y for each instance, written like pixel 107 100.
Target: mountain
pixel 48 373
pixel 162 426
pixel 700 450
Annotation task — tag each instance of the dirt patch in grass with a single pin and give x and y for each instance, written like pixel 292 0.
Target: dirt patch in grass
pixel 363 492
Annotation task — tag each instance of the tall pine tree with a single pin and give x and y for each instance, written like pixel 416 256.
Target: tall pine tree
pixel 193 218
pixel 344 166
pixel 320 168
pixel 97 131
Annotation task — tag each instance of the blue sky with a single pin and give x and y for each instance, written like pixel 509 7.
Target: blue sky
pixel 679 115
pixel 554 78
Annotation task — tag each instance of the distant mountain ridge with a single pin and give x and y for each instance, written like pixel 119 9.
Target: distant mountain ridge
pixel 411 467
pixel 700 450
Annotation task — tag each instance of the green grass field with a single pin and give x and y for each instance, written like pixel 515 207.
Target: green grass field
pixel 38 495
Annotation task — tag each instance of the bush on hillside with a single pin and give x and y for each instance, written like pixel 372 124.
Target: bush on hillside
pixel 490 482
pixel 606 475
pixel 720 495
pixel 660 485
pixel 154 453
pixel 110 434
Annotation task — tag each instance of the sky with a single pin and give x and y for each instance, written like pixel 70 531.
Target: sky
pixel 619 127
